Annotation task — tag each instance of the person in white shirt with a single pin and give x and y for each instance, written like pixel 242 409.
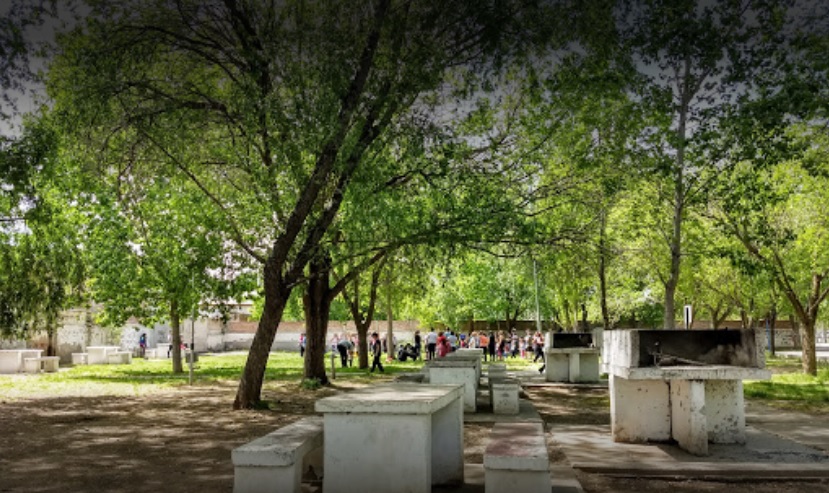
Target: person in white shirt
pixel 431 344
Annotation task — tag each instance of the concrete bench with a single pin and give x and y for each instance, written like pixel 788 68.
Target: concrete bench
pixel 50 363
pixel 45 363
pixel 503 395
pixel 456 371
pixel 516 459
pixel 119 358
pixel 416 377
pixel 496 370
pixel 80 358
pixel 275 462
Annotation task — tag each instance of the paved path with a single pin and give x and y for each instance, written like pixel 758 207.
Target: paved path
pixel 821 351
pixel 802 428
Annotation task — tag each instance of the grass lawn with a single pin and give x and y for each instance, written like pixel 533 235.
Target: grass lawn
pixel 144 377
pixel 790 389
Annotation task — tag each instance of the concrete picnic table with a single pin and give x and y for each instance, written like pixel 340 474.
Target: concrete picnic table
pixel 396 438
pixel 11 360
pixel 98 355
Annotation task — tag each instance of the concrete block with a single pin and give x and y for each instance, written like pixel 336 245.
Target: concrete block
pixel 358 454
pixel 725 411
pixel 10 361
pixel 588 367
pixel 688 423
pixel 516 459
pixel 393 438
pixel 31 365
pixel 99 355
pixel 80 358
pixel 161 350
pixel 573 365
pixel 496 370
pixel 463 373
pixel 119 358
pixel 557 367
pixel 469 354
pixel 50 364
pixel 274 463
pixel 640 410
pixel 504 396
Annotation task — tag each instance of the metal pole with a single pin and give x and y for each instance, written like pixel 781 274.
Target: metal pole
pixel 537 308
pixel 192 345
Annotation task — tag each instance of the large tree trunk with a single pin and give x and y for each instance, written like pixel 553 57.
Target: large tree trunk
pixel 51 335
pixel 362 345
pixel 175 323
pixel 807 338
pixel 249 391
pixel 772 320
pixel 317 305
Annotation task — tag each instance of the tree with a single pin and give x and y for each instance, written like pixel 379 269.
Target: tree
pixel 42 269
pixel 779 215
pixel 154 251
pixel 289 99
pixel 694 61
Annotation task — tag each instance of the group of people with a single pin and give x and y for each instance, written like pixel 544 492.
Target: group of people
pixel 496 345
pixel 347 346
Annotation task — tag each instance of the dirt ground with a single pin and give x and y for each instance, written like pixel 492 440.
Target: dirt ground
pixel 180 441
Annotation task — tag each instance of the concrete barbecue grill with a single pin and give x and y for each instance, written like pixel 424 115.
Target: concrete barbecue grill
pixel 571 357
pixel 685 385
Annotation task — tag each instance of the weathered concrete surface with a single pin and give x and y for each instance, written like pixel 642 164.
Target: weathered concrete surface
pixel 809 430
pixel 516 459
pixel 591 449
pixel 12 360
pixel 504 395
pixel 562 480
pixel 457 372
pixel 415 430
pixel 640 410
pixel 688 424
pixel 274 462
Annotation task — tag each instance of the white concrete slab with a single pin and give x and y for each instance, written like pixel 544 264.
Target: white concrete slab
pixel 414 430
pixel 98 355
pixel 12 360
pixel 516 459
pixel 688 423
pixel 639 410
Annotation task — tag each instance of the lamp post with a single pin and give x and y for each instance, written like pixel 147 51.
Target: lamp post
pixel 537 308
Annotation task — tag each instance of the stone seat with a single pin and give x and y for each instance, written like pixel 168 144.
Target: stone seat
pixel 416 377
pixel 50 363
pixel 503 395
pixel 45 363
pixel 275 461
pixel 80 358
pixel 516 459
pixel 119 358
pixel 456 371
pixel 496 370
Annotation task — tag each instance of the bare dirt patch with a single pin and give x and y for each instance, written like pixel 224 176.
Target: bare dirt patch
pixel 173 441
pixel 179 440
